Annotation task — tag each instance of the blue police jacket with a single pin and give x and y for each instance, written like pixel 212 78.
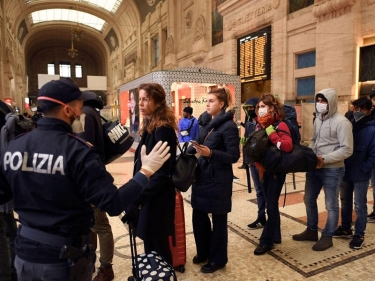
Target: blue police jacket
pixel 54 177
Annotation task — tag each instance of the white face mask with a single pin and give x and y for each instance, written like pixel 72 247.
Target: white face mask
pixel 78 125
pixel 321 107
pixel 262 111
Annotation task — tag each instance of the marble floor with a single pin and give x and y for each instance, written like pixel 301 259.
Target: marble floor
pixel 290 260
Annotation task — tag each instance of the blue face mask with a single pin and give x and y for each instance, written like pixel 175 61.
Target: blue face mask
pixel 358 115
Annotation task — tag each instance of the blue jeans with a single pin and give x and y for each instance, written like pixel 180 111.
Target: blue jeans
pixel 272 186
pixel 360 205
pixel 330 178
pixel 259 192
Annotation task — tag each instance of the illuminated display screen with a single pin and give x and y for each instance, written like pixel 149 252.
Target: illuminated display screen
pixel 254 53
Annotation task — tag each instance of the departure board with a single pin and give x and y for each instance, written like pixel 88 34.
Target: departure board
pixel 255 55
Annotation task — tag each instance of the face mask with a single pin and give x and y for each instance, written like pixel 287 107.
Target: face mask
pixel 251 113
pixel 78 124
pixel 358 115
pixel 262 111
pixel 321 108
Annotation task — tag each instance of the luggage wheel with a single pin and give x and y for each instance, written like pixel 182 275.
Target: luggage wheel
pixel 181 268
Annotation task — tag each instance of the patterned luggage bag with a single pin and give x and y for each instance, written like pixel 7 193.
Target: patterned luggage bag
pixel 150 266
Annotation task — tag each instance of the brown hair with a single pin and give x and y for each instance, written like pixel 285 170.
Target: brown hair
pixel 224 95
pixel 163 114
pixel 270 100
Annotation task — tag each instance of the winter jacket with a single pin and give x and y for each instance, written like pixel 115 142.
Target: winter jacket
pixel 185 124
pixel 157 201
pixel 358 166
pixel 212 190
pixel 250 114
pixel 332 138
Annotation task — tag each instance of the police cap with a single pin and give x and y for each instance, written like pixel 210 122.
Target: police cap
pixel 64 90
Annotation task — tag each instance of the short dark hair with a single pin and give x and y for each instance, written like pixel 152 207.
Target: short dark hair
pixel 321 96
pixel 362 103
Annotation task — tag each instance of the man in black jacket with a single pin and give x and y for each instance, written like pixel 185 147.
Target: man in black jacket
pixel 93 133
pixel 53 178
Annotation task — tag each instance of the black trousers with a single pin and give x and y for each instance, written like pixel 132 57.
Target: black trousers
pixel 211 241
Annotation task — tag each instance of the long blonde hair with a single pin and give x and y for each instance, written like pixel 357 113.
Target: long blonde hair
pixel 163 114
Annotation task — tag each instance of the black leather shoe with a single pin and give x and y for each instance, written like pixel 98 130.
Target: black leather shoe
pixel 197 259
pixel 211 267
pixel 262 249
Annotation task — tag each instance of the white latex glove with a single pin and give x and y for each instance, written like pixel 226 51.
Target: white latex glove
pixel 156 158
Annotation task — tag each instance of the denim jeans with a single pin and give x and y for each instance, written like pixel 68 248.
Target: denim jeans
pixel 373 187
pixel 259 192
pixel 331 179
pixel 272 186
pixel 360 205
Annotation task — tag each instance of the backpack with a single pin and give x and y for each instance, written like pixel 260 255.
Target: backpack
pixel 291 121
pixel 117 139
pixel 300 159
pixel 257 145
pixel 13 125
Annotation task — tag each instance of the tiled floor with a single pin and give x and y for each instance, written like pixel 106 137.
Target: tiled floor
pixel 290 260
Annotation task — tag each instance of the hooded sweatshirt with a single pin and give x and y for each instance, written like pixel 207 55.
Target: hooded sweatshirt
pixel 332 138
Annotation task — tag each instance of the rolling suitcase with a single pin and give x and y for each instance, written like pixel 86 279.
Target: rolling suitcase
pixel 150 266
pixel 177 242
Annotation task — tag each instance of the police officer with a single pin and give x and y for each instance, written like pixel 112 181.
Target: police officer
pixel 54 177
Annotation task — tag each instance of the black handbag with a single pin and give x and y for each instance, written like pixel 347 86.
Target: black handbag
pixel 300 159
pixel 185 170
pixel 117 140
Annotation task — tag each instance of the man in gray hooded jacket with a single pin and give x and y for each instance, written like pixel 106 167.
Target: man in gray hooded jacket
pixel 332 142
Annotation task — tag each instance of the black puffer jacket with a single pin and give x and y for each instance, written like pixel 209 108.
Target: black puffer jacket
pixel 212 191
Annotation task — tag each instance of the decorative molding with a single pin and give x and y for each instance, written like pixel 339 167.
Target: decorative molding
pixel 187 3
pixel 169 48
pixel 151 2
pixel 275 4
pixel 200 27
pixel 189 19
pixel 332 8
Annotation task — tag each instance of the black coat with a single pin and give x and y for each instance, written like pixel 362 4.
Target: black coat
pixel 212 190
pixel 158 198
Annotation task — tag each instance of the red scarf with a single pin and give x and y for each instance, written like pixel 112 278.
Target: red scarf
pixel 268 119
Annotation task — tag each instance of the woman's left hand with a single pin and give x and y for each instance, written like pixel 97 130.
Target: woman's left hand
pixel 202 149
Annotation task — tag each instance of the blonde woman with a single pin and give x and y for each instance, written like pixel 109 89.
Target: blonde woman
pixel 212 191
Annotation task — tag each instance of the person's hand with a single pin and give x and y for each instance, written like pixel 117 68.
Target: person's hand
pixel 320 162
pixel 131 215
pixel 270 129
pixel 243 140
pixel 202 149
pixel 156 158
